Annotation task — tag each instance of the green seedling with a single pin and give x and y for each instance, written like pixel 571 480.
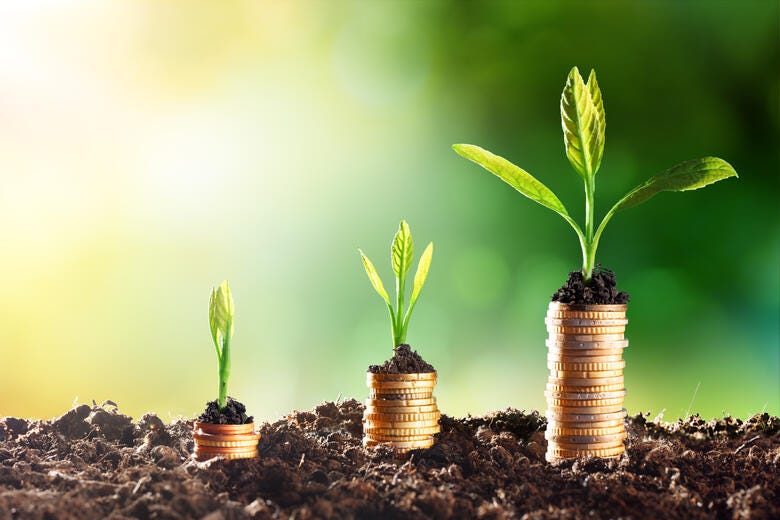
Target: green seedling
pixel 582 118
pixel 221 312
pixel 401 253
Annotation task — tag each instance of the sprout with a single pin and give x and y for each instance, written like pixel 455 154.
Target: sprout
pixel 583 122
pixel 401 253
pixel 221 312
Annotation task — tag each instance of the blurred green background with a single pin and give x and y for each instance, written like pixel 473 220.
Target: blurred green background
pixel 149 150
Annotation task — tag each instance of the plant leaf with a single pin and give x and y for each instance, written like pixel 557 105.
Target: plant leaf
pixel 581 122
pixel 376 281
pixel 513 175
pixel 598 104
pixel 221 313
pixel 689 175
pixel 402 250
pixel 422 273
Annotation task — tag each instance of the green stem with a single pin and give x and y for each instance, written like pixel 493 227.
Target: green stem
pixel 224 369
pixel 400 287
pixel 589 246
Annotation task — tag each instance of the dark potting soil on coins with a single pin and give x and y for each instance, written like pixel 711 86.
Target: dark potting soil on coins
pixel 602 289
pixel 234 413
pixel 94 462
pixel 404 361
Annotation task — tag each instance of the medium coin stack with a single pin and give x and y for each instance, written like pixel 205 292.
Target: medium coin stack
pixel 585 389
pixel 229 441
pixel 401 410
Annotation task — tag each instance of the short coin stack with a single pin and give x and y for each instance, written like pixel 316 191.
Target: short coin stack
pixel 401 410
pixel 585 388
pixel 229 441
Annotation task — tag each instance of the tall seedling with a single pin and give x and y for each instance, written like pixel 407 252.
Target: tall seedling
pixel 584 123
pixel 221 312
pixel 401 253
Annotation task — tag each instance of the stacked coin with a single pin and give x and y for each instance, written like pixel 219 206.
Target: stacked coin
pixel 229 441
pixel 401 410
pixel 585 389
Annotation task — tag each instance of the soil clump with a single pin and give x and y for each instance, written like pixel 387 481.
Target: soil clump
pixel 602 289
pixel 234 413
pixel 404 361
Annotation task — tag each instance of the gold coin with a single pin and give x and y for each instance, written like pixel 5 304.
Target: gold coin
pixel 227 456
pixel 555 424
pixel 583 337
pixel 596 330
pixel 392 417
pixel 588 382
pixel 584 322
pixel 394 403
pixel 560 453
pixel 402 409
pixel 423 384
pixel 373 424
pixel 226 437
pixel 566 354
pixel 585 374
pixel 586 315
pixel 553 387
pixel 222 450
pixel 592 307
pixel 568 445
pixel 579 410
pixel 224 429
pixel 380 437
pixel 583 417
pixel 421 376
pixel 430 430
pixel 398 397
pixel 569 366
pixel 575 403
pixel 410 445
pixel 576 357
pixel 586 396
pixel 567 342
pixel 200 441
pixel 590 440
pixel 606 430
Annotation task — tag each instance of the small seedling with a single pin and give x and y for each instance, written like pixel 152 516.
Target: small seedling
pixel 582 118
pixel 221 312
pixel 401 253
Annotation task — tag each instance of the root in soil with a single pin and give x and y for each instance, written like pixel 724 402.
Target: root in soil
pixel 234 413
pixel 94 462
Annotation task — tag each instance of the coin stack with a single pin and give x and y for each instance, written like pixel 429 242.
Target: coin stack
pixel 401 410
pixel 585 389
pixel 229 441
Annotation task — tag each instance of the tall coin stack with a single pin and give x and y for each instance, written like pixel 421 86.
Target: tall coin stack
pixel 585 388
pixel 401 410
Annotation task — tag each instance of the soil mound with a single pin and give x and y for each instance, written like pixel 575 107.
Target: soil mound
pixel 312 465
pixel 404 361
pixel 602 289
pixel 234 413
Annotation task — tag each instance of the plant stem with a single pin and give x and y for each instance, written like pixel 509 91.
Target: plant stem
pixel 224 369
pixel 400 287
pixel 588 249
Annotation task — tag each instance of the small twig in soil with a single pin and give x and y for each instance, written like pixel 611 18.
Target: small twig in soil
pixel 745 444
pixel 303 457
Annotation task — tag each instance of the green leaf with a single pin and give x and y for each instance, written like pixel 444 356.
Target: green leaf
pixel 690 175
pixel 422 273
pixel 582 122
pixel 221 313
pixel 513 175
pixel 402 250
pixel 374 277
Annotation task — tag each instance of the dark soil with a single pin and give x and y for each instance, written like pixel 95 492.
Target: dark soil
pixel 404 361
pixel 94 462
pixel 234 413
pixel 602 289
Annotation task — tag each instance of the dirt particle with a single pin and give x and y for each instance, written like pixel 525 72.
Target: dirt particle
pixel 234 413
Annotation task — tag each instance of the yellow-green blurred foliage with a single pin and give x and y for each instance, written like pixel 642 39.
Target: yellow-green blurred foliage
pixel 149 150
